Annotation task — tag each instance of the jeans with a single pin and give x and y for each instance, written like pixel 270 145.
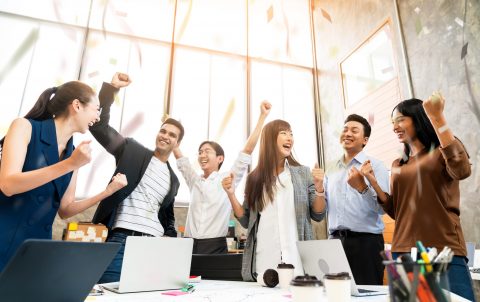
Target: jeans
pixel 112 274
pixel 459 277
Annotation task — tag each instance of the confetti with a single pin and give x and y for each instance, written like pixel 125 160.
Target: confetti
pixel 270 14
pixel 22 50
pixel 371 118
pixel 418 26
pixel 93 74
pixel 333 51
pixel 464 50
pixel 426 30
pixel 113 61
pixel 326 15
pixel 226 118
pixel 121 14
pixel 417 10
pixel 459 21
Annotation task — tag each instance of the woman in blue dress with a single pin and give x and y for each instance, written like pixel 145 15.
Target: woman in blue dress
pixel 38 165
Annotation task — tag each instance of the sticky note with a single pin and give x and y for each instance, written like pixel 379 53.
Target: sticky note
pixel 175 293
pixel 72 226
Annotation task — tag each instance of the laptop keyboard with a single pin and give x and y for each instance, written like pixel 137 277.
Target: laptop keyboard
pixel 363 290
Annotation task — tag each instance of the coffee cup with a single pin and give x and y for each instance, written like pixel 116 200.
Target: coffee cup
pixel 337 286
pixel 269 278
pixel 285 274
pixel 306 289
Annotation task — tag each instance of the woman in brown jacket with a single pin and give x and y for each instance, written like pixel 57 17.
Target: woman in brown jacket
pixel 425 193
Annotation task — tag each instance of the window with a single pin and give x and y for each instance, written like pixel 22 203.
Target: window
pixel 216 71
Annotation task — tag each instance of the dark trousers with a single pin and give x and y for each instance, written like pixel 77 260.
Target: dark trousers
pixel 210 246
pixel 363 254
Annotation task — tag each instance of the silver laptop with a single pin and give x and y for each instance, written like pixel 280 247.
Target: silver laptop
pixel 320 257
pixel 154 263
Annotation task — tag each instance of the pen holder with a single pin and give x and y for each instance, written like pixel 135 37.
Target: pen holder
pixel 411 282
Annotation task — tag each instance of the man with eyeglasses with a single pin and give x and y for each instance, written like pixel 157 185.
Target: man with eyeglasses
pixel 210 209
pixel 145 206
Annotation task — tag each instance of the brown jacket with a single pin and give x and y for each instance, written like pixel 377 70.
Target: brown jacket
pixel 425 199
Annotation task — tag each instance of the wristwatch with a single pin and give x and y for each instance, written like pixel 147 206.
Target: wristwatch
pixel 364 191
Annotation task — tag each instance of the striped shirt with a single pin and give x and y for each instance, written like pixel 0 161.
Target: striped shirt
pixel 139 211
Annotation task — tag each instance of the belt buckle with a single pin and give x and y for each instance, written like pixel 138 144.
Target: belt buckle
pixel 343 233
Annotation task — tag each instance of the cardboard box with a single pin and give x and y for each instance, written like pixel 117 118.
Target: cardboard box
pixel 85 231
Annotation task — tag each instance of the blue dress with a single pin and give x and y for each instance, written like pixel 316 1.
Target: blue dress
pixel 31 214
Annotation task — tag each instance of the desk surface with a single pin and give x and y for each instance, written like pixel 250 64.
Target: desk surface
pixel 223 291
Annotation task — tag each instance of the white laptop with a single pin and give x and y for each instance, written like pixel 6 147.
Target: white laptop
pixel 154 263
pixel 320 257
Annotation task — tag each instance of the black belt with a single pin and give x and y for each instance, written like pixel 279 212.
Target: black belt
pixel 348 233
pixel 131 232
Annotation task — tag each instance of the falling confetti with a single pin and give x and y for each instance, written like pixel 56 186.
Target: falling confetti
pixel 93 74
pixel 459 21
pixel 270 14
pixel 418 26
pixel 333 51
pixel 121 14
pixel 417 10
pixel 226 118
pixel 464 51
pixel 113 61
pixel 19 53
pixel 371 118
pixel 326 15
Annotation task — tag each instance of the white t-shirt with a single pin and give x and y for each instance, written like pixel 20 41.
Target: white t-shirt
pixel 139 211
pixel 277 230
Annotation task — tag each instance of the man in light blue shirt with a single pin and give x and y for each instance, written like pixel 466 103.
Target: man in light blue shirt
pixel 354 215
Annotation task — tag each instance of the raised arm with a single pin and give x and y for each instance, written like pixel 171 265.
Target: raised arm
pixel 13 180
pixel 454 153
pixel 185 167
pixel 252 140
pixel 70 207
pixel 229 187
pixel 107 136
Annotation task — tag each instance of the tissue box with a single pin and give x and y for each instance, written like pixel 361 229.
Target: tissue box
pixel 85 231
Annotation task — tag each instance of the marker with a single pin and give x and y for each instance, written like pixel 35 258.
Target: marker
pixel 424 255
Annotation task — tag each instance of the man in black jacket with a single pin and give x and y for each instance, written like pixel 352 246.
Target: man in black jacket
pixel 145 206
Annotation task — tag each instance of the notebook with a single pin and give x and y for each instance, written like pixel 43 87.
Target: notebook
pixel 320 257
pixel 153 263
pixel 54 271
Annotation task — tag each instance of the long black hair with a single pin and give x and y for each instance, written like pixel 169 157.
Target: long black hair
pixel 424 130
pixel 53 102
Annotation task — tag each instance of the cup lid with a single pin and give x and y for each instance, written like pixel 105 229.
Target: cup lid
pixel 285 265
pixel 337 276
pixel 307 280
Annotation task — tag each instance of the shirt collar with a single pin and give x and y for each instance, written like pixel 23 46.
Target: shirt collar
pixel 360 158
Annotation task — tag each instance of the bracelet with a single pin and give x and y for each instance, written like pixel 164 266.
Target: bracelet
pixel 443 128
pixel 321 194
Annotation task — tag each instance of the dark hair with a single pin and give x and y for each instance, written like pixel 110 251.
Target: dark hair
pixel 218 150
pixel 55 101
pixel 367 130
pixel 177 124
pixel 424 130
pixel 261 181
